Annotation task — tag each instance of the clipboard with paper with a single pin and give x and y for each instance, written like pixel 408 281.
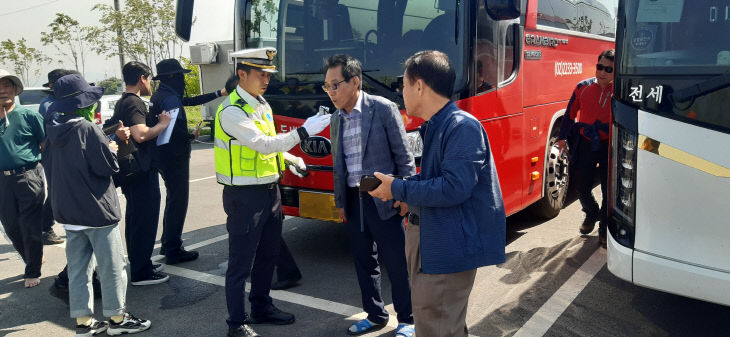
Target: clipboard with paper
pixel 164 137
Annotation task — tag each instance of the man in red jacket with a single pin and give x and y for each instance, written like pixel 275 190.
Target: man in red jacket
pixel 590 108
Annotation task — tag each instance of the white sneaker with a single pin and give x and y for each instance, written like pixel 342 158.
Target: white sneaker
pixel 129 324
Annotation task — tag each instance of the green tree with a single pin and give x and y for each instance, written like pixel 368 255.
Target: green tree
pixel 69 38
pixel 264 11
pixel 111 85
pixel 192 79
pixel 147 31
pixel 25 60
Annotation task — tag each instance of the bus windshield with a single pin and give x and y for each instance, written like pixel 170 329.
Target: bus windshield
pixel 382 34
pixel 661 37
pixel 669 47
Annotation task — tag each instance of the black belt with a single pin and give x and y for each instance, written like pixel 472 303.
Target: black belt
pixel 20 170
pixel 269 186
pixel 414 219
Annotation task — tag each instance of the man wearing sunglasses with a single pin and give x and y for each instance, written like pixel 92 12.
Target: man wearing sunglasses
pixel 586 129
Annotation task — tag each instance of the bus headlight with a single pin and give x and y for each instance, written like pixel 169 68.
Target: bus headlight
pixel 415 143
pixel 623 183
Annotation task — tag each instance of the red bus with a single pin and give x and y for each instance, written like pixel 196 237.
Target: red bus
pixel 517 63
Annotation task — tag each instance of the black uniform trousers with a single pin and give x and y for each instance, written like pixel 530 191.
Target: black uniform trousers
pixel 141 219
pixel 175 171
pixel 585 169
pixel 21 213
pixel 286 267
pixel 254 237
pixel 384 239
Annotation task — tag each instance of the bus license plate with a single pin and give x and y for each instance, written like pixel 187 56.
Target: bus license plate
pixel 318 205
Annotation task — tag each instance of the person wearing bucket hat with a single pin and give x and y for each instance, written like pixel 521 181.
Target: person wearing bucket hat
pixel 172 159
pixel 49 235
pixel 82 161
pixel 22 189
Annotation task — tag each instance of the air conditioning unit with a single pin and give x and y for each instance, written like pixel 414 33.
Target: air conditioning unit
pixel 204 53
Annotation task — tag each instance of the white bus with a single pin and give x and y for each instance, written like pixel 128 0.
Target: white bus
pixel 669 180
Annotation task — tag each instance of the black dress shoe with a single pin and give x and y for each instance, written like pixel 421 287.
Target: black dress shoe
pixel 181 256
pixel 274 316
pixel 589 223
pixel 51 238
pixel 285 284
pixel 242 331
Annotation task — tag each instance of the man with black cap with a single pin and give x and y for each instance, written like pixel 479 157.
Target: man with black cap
pixel 49 236
pixel 249 159
pixel 53 76
pixel 173 158
pixel 22 189
pixel 81 161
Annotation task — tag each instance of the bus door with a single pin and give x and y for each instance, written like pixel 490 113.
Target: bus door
pixel 497 100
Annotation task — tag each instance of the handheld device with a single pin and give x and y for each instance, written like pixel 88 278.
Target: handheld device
pixel 304 173
pixel 323 110
pixel 369 182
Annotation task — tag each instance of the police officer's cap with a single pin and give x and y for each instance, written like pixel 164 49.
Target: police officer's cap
pixel 258 58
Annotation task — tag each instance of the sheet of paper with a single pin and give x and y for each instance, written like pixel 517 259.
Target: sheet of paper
pixel 164 137
pixel 660 11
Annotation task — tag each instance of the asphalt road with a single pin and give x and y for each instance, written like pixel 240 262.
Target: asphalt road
pixel 554 283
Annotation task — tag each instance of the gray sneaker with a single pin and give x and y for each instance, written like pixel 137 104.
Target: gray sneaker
pixel 129 324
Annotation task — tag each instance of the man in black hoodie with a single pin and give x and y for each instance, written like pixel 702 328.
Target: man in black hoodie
pixel 81 162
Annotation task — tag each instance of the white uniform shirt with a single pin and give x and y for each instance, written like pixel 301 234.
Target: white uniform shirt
pixel 239 124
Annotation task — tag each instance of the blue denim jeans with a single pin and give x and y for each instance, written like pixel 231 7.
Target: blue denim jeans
pixel 105 244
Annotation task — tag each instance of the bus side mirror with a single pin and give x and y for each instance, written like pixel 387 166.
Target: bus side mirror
pixel 503 9
pixel 184 19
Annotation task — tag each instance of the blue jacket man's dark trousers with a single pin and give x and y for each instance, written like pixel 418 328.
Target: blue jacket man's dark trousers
pixel 254 238
pixel 387 239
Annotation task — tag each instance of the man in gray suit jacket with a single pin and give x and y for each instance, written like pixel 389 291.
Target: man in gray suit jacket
pixel 368 135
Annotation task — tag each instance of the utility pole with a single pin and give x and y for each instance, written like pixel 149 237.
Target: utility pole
pixel 119 38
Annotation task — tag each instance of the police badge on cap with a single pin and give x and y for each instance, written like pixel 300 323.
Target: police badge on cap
pixel 258 58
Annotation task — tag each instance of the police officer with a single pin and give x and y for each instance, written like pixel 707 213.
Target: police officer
pixel 249 159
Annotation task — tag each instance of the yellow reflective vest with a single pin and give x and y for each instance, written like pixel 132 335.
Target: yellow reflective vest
pixel 239 165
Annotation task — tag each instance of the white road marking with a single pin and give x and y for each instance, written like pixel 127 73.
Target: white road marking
pixel 195 245
pixel 199 179
pixel 551 310
pixel 352 313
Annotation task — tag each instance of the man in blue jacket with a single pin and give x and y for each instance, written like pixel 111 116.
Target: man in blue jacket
pixel 457 220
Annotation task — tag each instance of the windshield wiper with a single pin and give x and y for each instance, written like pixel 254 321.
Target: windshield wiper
pixel 700 89
pixel 382 89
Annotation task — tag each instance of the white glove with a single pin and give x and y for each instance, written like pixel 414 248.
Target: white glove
pixel 300 163
pixel 316 124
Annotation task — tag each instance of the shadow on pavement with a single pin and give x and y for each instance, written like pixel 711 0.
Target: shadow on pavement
pixel 556 264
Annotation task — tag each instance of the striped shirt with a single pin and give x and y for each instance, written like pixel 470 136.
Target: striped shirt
pixel 352 142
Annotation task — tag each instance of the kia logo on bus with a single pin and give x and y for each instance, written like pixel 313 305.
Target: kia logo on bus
pixel 316 146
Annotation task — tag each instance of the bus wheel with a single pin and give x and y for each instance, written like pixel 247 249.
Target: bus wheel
pixel 556 183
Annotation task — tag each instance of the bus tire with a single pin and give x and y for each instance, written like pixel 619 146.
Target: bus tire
pixel 556 183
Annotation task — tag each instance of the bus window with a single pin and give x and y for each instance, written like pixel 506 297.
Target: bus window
pixel 596 17
pixel 509 58
pixel 380 33
pixel 486 52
